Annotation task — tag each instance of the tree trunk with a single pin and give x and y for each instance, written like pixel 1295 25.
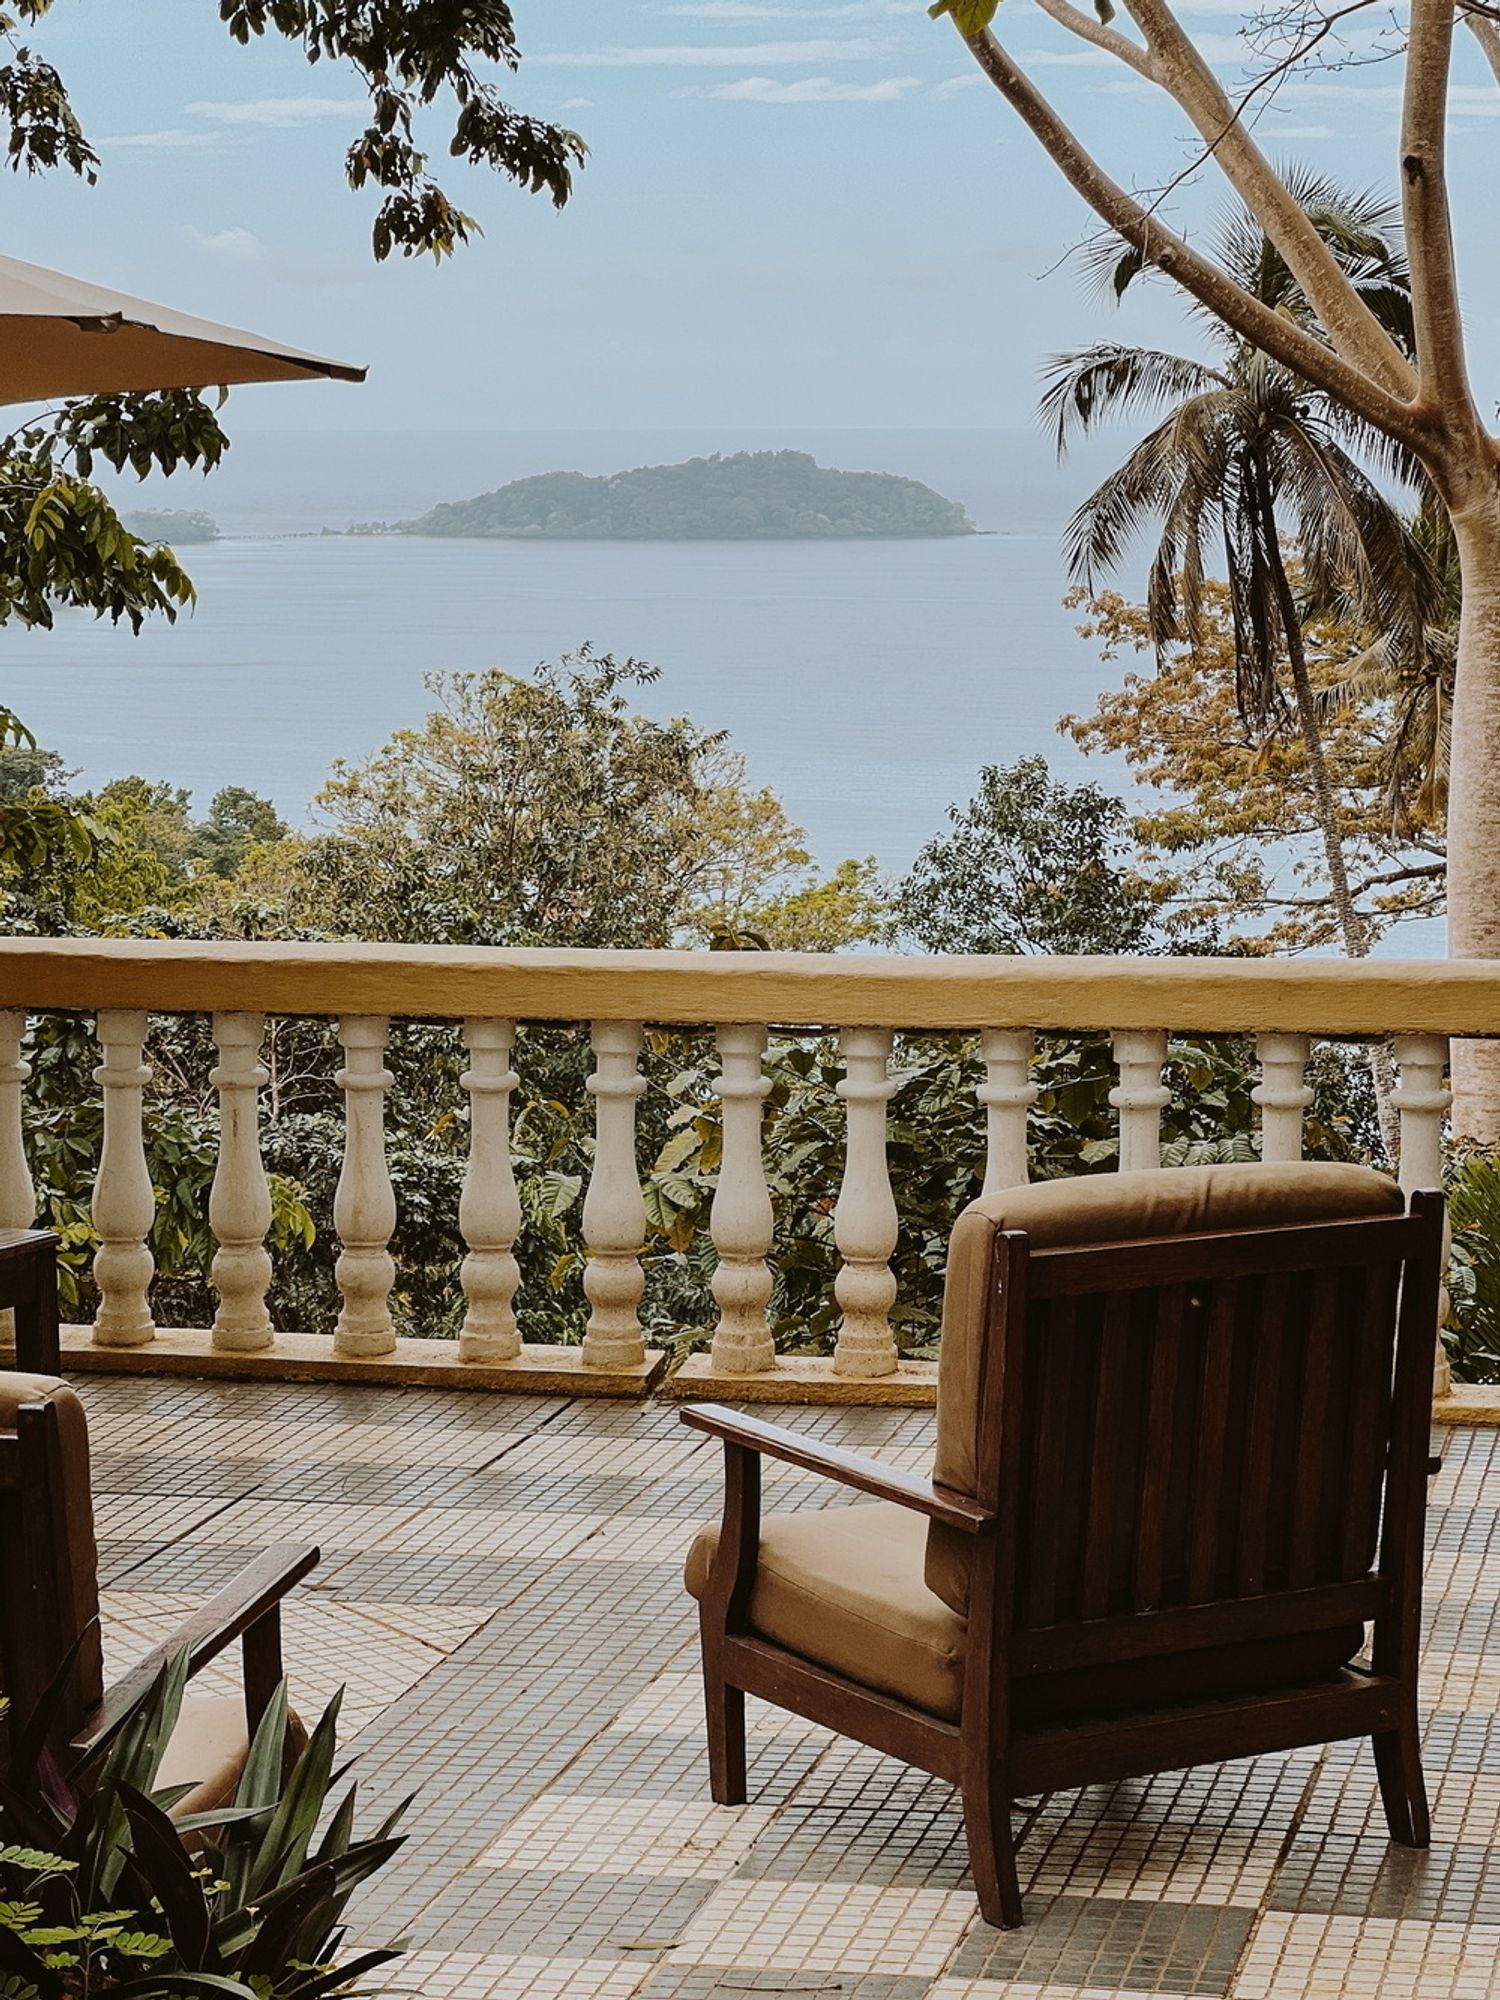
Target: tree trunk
pixel 1474 799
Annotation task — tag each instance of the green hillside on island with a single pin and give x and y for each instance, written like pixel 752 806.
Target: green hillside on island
pixel 749 496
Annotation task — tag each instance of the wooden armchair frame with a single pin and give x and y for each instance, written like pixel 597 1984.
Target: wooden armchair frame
pixel 41 1628
pixel 1015 1631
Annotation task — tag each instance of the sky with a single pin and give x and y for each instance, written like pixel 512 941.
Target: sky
pixel 795 212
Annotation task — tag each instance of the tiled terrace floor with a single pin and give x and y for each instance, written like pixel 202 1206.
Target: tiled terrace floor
pixel 500 1590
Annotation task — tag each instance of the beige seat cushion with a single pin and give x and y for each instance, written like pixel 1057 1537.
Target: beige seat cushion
pixel 1103 1208
pixel 207 1750
pixel 843 1587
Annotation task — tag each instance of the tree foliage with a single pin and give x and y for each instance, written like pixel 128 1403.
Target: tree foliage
pixel 1032 865
pixel 408 58
pixel 1237 824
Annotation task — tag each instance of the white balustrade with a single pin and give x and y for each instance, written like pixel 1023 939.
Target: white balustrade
pixel 489 1209
pixel 1421 1100
pixel 239 1202
pixel 741 1221
pixel 124 1205
pixel 1282 1094
pixel 614 1209
pixel 364 1203
pixel 1140 1095
pixel 17 1194
pixel 1007 1095
pixel 864 1218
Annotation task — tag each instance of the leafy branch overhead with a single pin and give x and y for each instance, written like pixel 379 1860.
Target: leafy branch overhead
pixel 410 55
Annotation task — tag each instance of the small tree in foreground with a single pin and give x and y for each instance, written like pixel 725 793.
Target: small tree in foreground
pixel 1423 406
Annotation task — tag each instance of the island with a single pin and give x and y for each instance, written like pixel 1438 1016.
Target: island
pixel 166 524
pixel 744 496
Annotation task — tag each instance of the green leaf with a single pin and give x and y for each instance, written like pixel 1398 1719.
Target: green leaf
pixel 970 17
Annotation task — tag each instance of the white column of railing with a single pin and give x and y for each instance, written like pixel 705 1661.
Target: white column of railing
pixel 614 1209
pixel 741 1221
pixel 239 1202
pixel 17 1192
pixel 489 1209
pixel 364 1203
pixel 1282 1094
pixel 1140 1095
pixel 1422 1100
pixel 124 1205
pixel 1007 1095
pixel 864 1218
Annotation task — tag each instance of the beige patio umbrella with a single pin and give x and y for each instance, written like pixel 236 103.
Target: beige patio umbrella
pixel 62 337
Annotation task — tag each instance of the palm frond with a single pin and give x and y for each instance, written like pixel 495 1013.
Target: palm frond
pixel 1111 382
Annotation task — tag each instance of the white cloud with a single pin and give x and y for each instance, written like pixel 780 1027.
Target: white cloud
pixel 1276 133
pixel 806 90
pixel 696 55
pixel 951 85
pixel 766 10
pixel 578 104
pixel 1063 59
pixel 229 246
pixel 160 142
pixel 279 111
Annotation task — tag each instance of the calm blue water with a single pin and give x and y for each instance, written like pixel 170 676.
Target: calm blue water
pixel 866 682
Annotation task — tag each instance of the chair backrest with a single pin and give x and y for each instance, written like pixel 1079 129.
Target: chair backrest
pixel 1193 1374
pixel 49 1583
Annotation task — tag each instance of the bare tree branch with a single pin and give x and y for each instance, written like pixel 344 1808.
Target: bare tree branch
pixel 1265 328
pixel 1348 321
pixel 1442 371
pixel 1481 26
pixel 1089 28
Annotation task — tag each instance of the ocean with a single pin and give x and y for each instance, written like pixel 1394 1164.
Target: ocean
pixel 867 682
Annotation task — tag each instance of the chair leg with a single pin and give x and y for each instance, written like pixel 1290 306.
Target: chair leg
pixel 725 1707
pixel 992 1851
pixel 1403 1790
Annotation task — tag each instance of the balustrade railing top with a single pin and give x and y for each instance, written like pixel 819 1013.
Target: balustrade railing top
pixel 1325 997
pixel 745 1000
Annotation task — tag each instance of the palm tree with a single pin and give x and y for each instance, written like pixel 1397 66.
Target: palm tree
pixel 1413 675
pixel 1248 457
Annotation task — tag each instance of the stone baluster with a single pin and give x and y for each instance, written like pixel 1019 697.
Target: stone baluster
pixel 124 1205
pixel 239 1202
pixel 489 1210
pixel 364 1203
pixel 1282 1094
pixel 741 1221
pixel 17 1194
pixel 1007 1095
pixel 1421 1100
pixel 1140 1095
pixel 614 1210
pixel 864 1218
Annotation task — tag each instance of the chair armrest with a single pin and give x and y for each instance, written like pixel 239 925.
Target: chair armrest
pixel 849 1468
pixel 253 1595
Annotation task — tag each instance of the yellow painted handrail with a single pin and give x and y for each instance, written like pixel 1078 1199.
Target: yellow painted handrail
pixel 1318 996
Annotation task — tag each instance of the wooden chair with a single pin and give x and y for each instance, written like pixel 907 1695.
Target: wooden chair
pixel 28 1288
pixel 1181 1464
pixel 49 1605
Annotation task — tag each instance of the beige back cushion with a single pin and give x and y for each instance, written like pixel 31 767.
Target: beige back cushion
pixel 78 1502
pixel 1103 1208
